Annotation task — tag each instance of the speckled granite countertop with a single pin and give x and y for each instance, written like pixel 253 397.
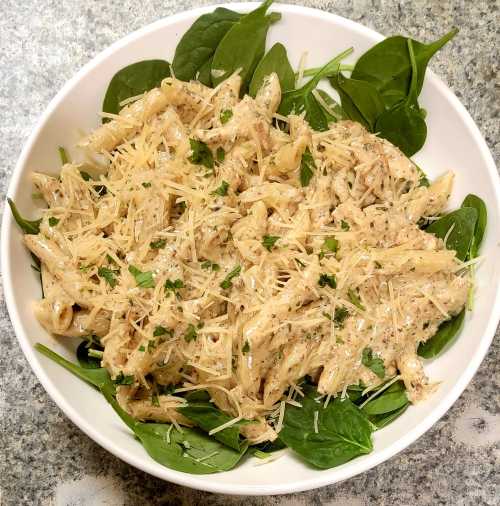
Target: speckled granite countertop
pixel 46 460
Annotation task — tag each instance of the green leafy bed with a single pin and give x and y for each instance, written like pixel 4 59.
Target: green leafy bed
pixel 381 93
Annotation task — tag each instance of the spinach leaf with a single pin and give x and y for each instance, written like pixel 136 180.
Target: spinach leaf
pixel 243 46
pixel 404 125
pixel 482 216
pixel 360 100
pixel 303 100
pixel 207 416
pixel 276 60
pixel 263 450
pixel 97 377
pixel 389 400
pixel 444 335
pixel 194 53
pixel 133 80
pixel 387 66
pixel 334 112
pixel 27 226
pixel 84 357
pixel 460 237
pixel 189 451
pixel 344 431
pixel 385 419
pixel 307 167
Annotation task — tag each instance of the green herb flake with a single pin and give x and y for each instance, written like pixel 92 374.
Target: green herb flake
pixel 201 154
pixel 108 275
pixel 53 221
pixel 339 316
pixel 85 175
pixel 63 155
pixel 143 279
pixel 222 189
pixel 158 244
pixel 151 345
pixel 375 364
pixel 141 348
pixel 344 225
pixel 146 184
pixel 173 286
pixel 209 265
pixel 331 244
pixel 121 379
pixel 161 331
pixel 227 282
pixel 220 154
pixel 246 348
pixel 225 116
pixel 268 241
pixel 327 279
pixel 355 299
pixel 307 167
pixel 191 334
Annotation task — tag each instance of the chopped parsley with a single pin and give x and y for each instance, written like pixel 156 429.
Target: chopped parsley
pixel 375 364
pixel 53 221
pixel 108 275
pixel 173 286
pixel 330 244
pixel 340 314
pixel 246 348
pixel 201 154
pixel 344 225
pixel 155 401
pixel 63 155
pixel 121 379
pixel 190 334
pixel 227 282
pixel 85 175
pixel 141 348
pixel 161 331
pixel 268 241
pixel 220 154
pixel 307 167
pixel 222 189
pixel 158 244
pixel 209 265
pixel 143 279
pixel 225 116
pixel 355 299
pixel 327 279
pixel 151 345
pixel 147 184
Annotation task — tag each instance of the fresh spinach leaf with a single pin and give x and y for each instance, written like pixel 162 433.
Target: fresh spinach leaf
pixel 343 431
pixel 303 100
pixel 360 100
pixel 389 400
pixel 385 419
pixel 444 335
pixel 404 125
pixel 243 46
pixel 85 359
pixel 187 450
pixel 388 68
pixel 275 60
pixel 27 226
pixel 263 450
pixel 307 168
pixel 194 53
pixel 133 80
pixel 334 112
pixel 459 238
pixel 207 416
pixel 482 216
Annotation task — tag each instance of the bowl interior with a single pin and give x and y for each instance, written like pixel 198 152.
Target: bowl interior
pixel 453 143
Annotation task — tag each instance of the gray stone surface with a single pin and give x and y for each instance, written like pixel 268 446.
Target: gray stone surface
pixel 45 459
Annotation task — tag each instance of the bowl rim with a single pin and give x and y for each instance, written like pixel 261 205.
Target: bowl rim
pixel 194 481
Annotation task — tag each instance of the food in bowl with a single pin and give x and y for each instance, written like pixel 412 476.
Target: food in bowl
pixel 252 265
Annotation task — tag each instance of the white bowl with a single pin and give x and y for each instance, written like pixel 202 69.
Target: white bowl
pixel 453 142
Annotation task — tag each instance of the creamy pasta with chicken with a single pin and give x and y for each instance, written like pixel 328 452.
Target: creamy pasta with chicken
pixel 223 247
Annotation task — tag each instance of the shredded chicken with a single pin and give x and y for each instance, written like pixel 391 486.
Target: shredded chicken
pixel 234 278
